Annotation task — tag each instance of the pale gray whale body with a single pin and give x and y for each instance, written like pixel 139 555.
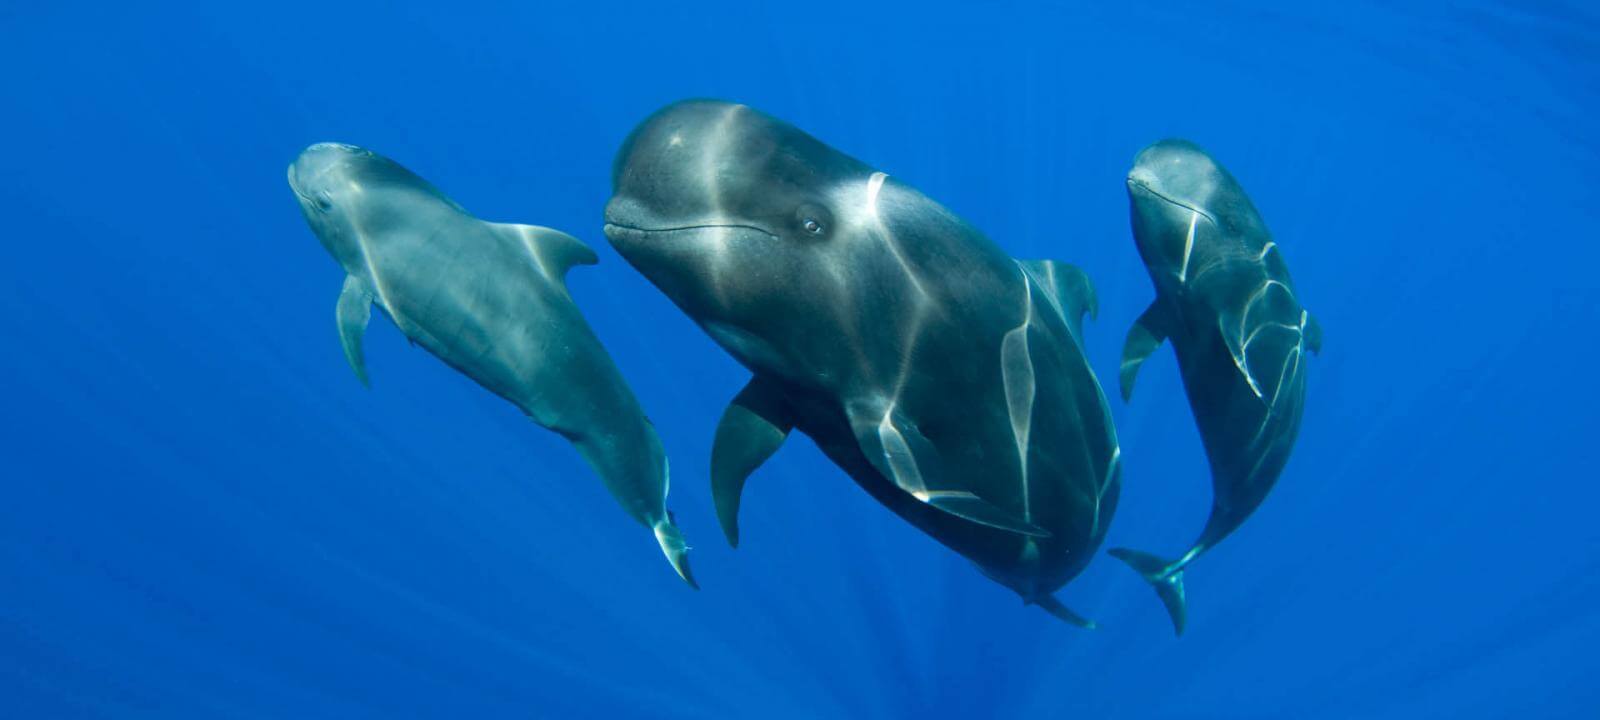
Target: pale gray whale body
pixel 1225 300
pixel 947 379
pixel 491 301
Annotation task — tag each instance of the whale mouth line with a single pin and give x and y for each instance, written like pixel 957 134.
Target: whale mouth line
pixel 1132 183
pixel 610 226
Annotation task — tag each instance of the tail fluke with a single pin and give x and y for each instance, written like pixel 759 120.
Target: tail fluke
pixel 1164 576
pixel 676 550
pixel 1054 607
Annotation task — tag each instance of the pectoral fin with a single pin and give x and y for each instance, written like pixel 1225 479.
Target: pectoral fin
pixel 1062 612
pixel 1147 334
pixel 753 428
pixel 908 459
pixel 353 312
pixel 1068 288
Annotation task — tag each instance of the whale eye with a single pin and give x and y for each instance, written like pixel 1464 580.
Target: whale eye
pixel 323 203
pixel 813 219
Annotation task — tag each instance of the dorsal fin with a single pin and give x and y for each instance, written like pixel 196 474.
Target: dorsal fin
pixel 1068 288
pixel 555 251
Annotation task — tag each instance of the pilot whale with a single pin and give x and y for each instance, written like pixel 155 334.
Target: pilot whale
pixel 1225 300
pixel 491 301
pixel 947 379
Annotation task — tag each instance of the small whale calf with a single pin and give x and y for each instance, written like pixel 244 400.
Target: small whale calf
pixel 946 378
pixel 491 301
pixel 1225 301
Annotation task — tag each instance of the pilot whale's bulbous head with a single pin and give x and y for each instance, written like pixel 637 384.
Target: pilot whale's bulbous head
pixel 349 193
pixel 732 213
pixel 1177 171
pixel 704 162
pixel 1177 192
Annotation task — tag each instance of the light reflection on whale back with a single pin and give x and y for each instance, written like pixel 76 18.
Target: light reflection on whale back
pixel 948 372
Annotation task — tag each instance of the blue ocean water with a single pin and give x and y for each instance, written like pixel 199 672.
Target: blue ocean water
pixel 206 515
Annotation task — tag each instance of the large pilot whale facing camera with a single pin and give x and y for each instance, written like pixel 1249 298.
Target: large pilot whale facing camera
pixel 1225 300
pixel 491 301
pixel 947 379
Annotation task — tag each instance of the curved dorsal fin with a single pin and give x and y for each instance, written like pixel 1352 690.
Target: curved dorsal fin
pixel 555 251
pixel 1068 288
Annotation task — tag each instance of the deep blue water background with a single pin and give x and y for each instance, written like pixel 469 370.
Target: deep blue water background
pixel 205 515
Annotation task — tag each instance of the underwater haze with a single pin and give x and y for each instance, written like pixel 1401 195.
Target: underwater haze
pixel 206 515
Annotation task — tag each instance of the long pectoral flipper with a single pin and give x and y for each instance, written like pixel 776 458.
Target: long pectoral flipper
pixel 908 459
pixel 1054 607
pixel 353 312
pixel 753 428
pixel 1147 334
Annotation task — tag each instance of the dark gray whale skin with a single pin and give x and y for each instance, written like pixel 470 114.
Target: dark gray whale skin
pixel 491 301
pixel 947 379
pixel 1225 300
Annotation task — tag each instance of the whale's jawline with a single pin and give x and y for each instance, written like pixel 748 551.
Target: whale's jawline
pixel 610 227
pixel 1171 201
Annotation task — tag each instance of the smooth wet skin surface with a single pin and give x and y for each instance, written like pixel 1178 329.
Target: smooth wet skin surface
pixel 490 300
pixel 206 515
pixel 1226 304
pixel 933 369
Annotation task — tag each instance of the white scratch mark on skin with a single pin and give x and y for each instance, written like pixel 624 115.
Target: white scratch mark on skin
pixel 533 251
pixel 1251 338
pixel 874 184
pixel 1016 372
pixel 1188 246
pixel 1105 484
pixel 367 257
pixel 1290 375
pixel 918 300
pixel 1239 358
pixel 718 237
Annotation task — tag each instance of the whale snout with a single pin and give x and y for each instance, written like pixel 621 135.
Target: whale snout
pixel 627 211
pixel 320 158
pixel 322 168
pixel 1141 177
pixel 336 147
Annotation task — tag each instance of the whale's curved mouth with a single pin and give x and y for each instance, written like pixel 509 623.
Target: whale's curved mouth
pixel 1136 184
pixel 615 229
